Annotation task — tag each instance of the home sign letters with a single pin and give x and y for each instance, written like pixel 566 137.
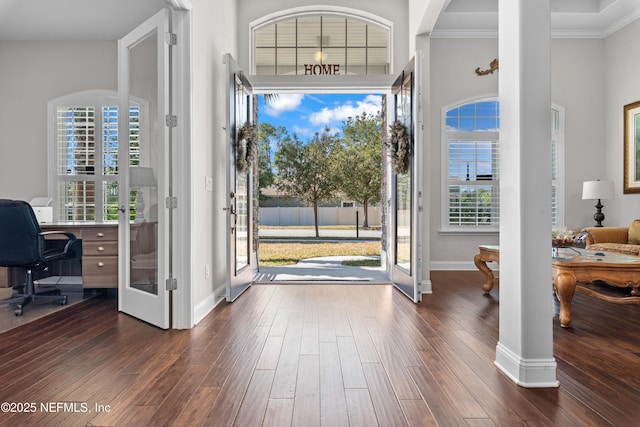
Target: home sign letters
pixel 320 69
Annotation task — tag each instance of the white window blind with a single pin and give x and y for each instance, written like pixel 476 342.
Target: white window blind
pixel 86 157
pixel 557 176
pixel 471 178
pixel 473 183
pixel 76 150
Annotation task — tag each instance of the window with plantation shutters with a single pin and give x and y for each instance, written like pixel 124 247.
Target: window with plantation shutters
pixel 557 172
pixel 471 177
pixel 84 164
pixel 474 181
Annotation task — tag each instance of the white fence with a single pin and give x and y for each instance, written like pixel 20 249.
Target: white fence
pixel 288 216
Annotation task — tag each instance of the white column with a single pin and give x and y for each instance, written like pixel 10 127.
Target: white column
pixel 525 347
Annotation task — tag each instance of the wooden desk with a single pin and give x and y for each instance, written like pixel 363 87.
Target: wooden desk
pixel 98 264
pixel 99 253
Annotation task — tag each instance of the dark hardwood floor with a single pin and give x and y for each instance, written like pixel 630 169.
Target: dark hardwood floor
pixel 317 355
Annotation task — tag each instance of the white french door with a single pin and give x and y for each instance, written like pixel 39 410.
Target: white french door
pixel 404 187
pixel 144 173
pixel 241 263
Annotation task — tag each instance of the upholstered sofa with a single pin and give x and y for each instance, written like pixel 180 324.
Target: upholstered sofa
pixel 625 240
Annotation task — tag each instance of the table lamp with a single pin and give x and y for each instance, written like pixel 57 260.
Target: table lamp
pixel 597 190
pixel 140 177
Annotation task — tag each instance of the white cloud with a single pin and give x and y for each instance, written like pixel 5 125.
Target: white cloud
pixel 302 132
pixel 307 133
pixel 283 102
pixel 371 104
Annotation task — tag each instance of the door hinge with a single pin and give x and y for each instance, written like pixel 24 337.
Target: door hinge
pixel 172 284
pixel 172 39
pixel 171 120
pixel 171 202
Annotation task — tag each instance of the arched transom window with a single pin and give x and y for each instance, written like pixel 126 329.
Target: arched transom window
pixel 321 44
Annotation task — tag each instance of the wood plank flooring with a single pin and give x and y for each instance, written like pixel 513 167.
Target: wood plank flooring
pixel 318 355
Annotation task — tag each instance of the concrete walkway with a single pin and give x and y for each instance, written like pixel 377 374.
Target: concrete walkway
pixel 323 269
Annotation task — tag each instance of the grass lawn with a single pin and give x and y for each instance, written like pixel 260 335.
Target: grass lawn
pixel 283 253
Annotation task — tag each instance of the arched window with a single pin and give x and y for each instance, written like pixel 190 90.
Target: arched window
pixel 83 154
pixel 471 175
pixel 321 42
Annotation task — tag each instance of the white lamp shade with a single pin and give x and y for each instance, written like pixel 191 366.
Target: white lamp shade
pixel 593 190
pixel 141 177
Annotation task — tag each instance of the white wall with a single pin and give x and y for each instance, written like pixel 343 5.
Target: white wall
pixel 577 85
pixel 453 79
pixel 621 63
pixel 214 34
pixel 31 74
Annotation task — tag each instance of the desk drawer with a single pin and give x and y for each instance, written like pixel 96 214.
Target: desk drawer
pixel 100 233
pixel 91 248
pixel 100 271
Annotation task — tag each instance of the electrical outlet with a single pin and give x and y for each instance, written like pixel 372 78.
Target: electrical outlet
pixel 206 271
pixel 208 183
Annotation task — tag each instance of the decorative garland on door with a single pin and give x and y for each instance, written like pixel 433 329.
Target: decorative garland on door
pixel 245 153
pixel 398 143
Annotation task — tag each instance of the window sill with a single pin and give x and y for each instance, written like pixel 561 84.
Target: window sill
pixel 469 232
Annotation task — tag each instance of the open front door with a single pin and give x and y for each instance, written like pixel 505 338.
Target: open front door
pixel 405 185
pixel 143 153
pixel 240 262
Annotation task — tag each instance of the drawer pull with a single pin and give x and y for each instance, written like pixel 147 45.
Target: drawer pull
pixel 101 264
pixel 100 234
pixel 100 248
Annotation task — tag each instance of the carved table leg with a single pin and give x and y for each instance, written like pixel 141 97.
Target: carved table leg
pixel 482 266
pixel 564 285
pixel 635 288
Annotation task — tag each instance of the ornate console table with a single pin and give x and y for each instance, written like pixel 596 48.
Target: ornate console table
pixel 607 276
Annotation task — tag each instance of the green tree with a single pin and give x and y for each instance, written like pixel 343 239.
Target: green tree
pixel 307 171
pixel 360 161
pixel 267 135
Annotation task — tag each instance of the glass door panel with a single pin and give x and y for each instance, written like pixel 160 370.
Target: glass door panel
pixel 143 170
pixel 143 150
pixel 405 187
pixel 241 193
pixel 240 267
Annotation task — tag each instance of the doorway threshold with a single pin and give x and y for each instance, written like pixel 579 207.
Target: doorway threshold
pixel 325 282
pixel 322 269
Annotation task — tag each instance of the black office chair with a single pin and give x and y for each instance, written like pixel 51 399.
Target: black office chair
pixel 23 244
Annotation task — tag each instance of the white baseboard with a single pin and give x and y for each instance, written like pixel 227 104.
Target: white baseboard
pixel 530 373
pixel 209 303
pixel 460 266
pixel 425 287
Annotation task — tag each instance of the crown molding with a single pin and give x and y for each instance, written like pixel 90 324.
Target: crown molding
pixel 464 34
pixel 180 4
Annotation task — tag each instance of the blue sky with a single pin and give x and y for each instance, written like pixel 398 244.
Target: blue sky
pixel 306 114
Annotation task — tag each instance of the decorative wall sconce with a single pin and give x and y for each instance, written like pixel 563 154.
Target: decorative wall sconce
pixel 494 65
